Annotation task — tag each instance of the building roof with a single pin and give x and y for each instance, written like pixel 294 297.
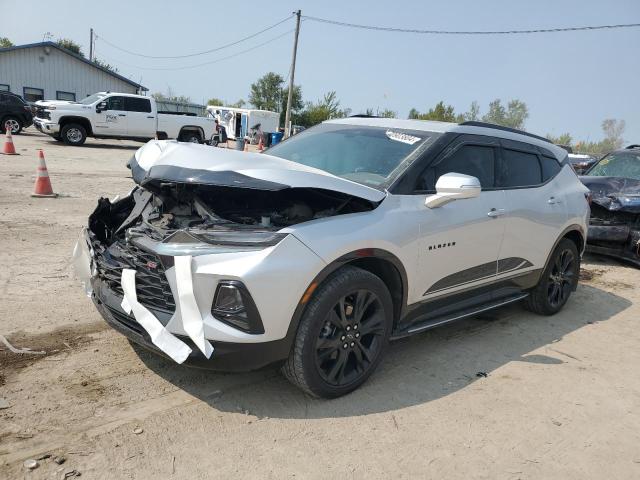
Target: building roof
pixel 77 57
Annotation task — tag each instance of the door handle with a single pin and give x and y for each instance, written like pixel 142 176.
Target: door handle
pixel 151 116
pixel 553 201
pixel 496 212
pixel 122 115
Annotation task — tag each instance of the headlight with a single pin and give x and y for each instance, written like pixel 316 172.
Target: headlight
pixel 241 238
pixel 233 305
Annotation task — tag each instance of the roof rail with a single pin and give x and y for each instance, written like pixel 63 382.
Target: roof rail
pixel 363 115
pixel 506 129
pixel 634 145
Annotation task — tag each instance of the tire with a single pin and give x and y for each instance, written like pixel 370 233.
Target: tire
pixel 319 362
pixel 558 280
pixel 57 138
pixel 73 134
pixel 14 122
pixel 191 137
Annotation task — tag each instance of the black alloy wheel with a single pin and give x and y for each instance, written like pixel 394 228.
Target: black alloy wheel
pixel 351 338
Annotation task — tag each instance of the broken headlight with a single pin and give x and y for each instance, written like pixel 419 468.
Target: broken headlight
pixel 242 238
pixel 233 305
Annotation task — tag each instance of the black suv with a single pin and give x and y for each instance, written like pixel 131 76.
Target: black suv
pixel 15 113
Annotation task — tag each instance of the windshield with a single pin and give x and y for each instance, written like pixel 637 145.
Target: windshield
pixel 619 164
pixel 363 154
pixel 92 98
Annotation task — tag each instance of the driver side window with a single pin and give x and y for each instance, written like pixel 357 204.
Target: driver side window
pixel 115 103
pixel 475 160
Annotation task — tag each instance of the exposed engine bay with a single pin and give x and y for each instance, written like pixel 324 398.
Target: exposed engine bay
pixel 614 227
pixel 164 208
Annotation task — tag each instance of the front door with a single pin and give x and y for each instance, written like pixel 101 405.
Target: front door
pixel 113 120
pixel 460 241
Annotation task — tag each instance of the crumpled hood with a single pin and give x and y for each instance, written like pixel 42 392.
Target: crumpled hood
pixel 172 161
pixel 614 193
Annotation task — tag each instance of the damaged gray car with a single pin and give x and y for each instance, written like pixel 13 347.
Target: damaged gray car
pixel 614 182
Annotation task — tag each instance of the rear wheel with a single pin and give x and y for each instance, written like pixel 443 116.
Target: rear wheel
pixel 73 134
pixel 558 280
pixel 191 137
pixel 343 334
pixel 13 124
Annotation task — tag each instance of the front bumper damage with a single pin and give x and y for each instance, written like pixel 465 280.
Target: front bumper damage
pixel 45 126
pixel 177 292
pixel 614 228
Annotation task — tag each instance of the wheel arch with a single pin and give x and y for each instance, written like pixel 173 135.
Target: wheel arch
pixel 192 128
pixel 576 234
pixel 382 263
pixel 79 120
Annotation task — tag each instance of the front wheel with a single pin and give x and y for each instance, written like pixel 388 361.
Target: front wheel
pixel 73 134
pixel 558 280
pixel 12 124
pixel 191 137
pixel 343 334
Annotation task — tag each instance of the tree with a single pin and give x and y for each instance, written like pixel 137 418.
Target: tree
pixel 238 104
pixel 386 113
pixel 5 42
pixel 514 116
pixel 266 92
pixel 473 115
pixel 170 97
pixel 564 139
pixel 216 102
pixel 325 108
pixel 441 112
pixel 613 130
pixel 70 45
pixel 106 65
pixel 296 103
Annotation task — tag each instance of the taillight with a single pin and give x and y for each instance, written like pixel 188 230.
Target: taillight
pixel 588 197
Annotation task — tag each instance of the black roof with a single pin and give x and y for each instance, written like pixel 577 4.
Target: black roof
pixel 506 129
pixel 76 56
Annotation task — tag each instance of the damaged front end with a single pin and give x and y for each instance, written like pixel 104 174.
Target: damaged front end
pixel 187 261
pixel 614 228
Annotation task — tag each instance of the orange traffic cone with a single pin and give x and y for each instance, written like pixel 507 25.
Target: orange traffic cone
pixel 43 184
pixel 8 149
pixel 260 145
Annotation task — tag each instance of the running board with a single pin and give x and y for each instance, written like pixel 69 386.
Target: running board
pixel 435 322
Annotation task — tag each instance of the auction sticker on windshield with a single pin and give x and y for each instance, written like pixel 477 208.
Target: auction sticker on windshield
pixel 402 137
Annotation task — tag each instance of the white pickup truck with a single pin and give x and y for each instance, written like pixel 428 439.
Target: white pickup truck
pixel 117 115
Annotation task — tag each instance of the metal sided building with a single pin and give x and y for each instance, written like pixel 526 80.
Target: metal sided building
pixel 46 71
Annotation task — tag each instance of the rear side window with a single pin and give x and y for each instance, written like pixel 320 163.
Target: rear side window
pixel 133 104
pixel 475 160
pixel 550 167
pixel 519 169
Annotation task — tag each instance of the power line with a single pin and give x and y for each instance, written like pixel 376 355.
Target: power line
pixel 211 62
pixel 471 32
pixel 198 53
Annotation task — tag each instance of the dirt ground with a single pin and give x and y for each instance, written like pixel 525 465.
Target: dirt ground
pixel 560 399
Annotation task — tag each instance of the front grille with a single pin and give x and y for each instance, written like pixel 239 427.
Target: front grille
pixel 152 286
pixel 602 216
pixel 41 113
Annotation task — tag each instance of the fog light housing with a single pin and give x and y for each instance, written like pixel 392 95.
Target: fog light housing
pixel 233 305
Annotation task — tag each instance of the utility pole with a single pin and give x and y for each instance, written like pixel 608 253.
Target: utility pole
pixel 287 116
pixel 91 45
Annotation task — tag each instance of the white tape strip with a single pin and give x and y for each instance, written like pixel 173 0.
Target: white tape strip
pixel 190 313
pixel 160 336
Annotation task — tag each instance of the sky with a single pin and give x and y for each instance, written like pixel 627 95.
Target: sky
pixel 570 81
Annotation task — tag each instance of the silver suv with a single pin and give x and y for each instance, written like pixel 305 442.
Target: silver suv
pixel 318 252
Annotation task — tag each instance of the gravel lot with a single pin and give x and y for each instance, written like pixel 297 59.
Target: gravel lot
pixel 561 398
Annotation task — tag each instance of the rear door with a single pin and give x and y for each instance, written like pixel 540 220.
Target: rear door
pixel 536 208
pixel 460 241
pixel 141 120
pixel 113 120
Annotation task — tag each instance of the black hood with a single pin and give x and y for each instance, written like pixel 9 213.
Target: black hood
pixel 614 193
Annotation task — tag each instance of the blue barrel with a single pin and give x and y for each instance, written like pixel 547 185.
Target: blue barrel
pixel 276 138
pixel 240 143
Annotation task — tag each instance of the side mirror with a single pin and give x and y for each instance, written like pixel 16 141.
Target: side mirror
pixel 453 186
pixel 102 106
